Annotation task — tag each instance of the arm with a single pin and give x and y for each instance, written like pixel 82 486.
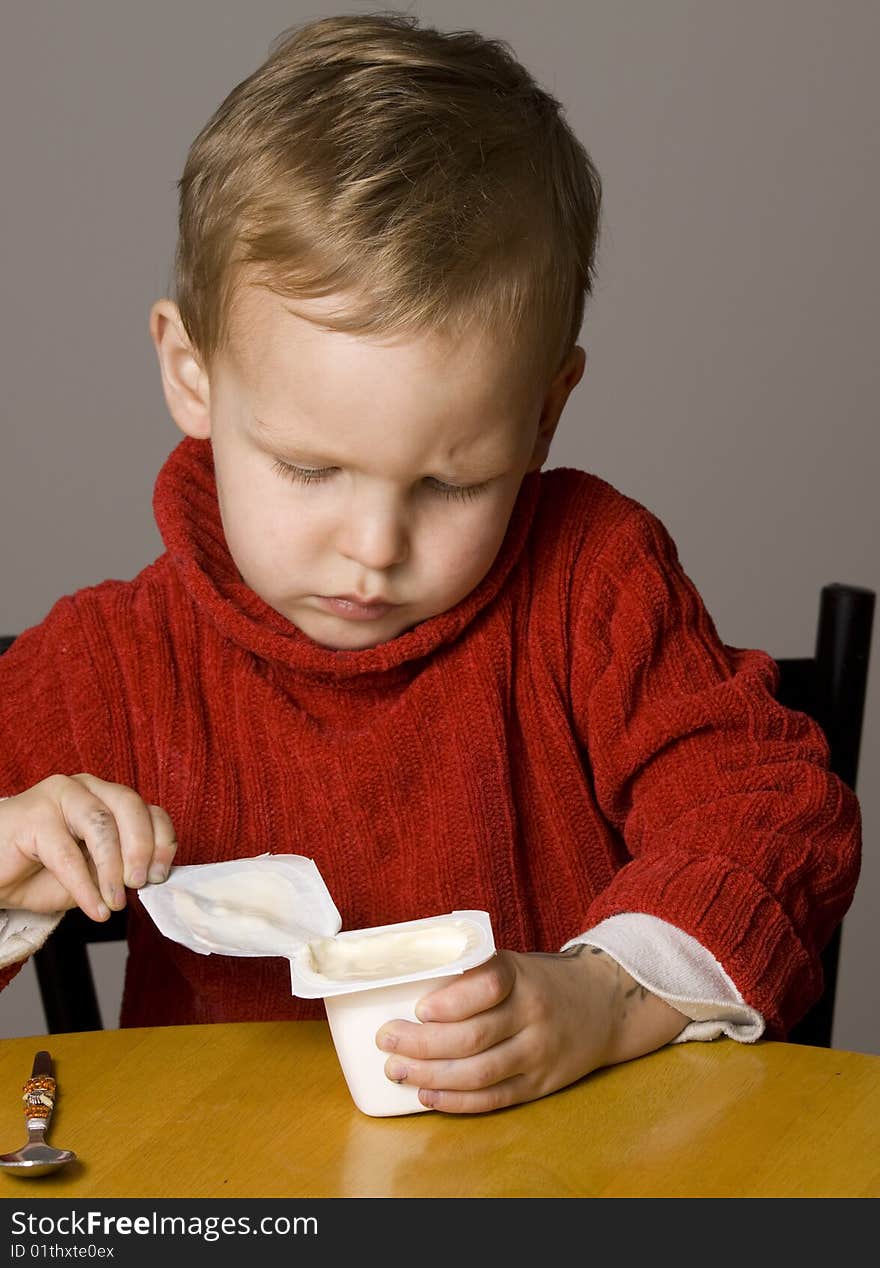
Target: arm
pixel 64 840
pixel 737 832
pixel 35 739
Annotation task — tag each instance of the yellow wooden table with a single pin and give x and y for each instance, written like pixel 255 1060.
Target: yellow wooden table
pixel 178 1112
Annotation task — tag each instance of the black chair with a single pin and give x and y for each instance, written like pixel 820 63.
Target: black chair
pixel 64 971
pixel 828 686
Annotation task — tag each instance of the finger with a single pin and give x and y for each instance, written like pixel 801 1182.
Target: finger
pixel 510 1092
pixel 164 845
pixel 92 821
pixel 42 891
pixel 129 861
pixel 468 1074
pixel 473 992
pixel 429 1041
pixel 61 854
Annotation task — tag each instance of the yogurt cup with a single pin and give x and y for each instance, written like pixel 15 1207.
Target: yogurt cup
pixel 279 905
pixel 367 977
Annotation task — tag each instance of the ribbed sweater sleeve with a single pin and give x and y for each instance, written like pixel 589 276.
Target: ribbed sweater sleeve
pixel 737 831
pixel 56 715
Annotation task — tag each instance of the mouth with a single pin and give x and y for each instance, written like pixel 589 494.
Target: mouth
pixel 355 609
pixel 356 599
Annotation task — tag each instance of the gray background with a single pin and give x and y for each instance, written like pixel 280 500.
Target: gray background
pixel 733 376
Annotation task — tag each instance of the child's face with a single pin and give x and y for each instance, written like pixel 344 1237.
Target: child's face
pixel 413 452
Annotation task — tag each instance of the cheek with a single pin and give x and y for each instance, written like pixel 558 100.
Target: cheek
pixel 470 547
pixel 257 517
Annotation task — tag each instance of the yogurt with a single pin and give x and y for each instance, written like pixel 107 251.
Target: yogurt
pixel 398 953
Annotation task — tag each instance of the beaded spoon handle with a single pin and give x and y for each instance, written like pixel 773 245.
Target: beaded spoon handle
pixel 36 1158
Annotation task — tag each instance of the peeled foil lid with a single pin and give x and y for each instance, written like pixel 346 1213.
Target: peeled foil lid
pixel 268 905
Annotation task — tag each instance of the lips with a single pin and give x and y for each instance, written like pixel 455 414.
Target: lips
pixel 353 609
pixel 363 603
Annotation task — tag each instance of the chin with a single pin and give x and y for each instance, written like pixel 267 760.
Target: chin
pixel 353 646
pixel 355 641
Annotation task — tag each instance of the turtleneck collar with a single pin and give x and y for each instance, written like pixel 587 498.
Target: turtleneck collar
pixel 188 517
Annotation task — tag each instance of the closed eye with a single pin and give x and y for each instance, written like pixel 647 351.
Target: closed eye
pixel 459 492
pixel 301 475
pixel 317 475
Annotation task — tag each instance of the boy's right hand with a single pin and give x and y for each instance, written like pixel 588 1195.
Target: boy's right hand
pixel 76 840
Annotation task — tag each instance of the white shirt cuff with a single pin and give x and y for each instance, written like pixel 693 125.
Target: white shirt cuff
pixel 672 965
pixel 24 932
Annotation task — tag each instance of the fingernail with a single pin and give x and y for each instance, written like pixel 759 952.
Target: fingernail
pixel 387 1042
pixel 137 878
pixel 103 910
pixel 396 1071
pixel 158 874
pixel 117 900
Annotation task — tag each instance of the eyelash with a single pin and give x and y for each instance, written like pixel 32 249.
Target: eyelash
pixel 305 475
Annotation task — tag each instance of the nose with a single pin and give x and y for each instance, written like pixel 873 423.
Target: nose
pixel 374 533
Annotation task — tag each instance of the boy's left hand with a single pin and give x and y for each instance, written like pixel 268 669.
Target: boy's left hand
pixel 522 1025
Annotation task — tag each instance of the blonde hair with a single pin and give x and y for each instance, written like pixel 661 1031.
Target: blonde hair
pixel 423 175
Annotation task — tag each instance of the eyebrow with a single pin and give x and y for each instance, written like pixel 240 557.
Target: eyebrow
pixel 474 470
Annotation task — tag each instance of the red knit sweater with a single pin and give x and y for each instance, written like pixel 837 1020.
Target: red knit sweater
pixel 570 741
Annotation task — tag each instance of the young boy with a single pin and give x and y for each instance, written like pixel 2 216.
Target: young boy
pixel 382 637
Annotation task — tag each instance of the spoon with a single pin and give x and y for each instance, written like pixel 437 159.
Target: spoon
pixel 36 1158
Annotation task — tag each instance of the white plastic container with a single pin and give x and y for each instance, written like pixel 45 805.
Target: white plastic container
pixel 357 1006
pixel 279 905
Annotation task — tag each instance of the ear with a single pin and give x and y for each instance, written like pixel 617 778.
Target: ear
pixel 184 382
pixel 554 402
